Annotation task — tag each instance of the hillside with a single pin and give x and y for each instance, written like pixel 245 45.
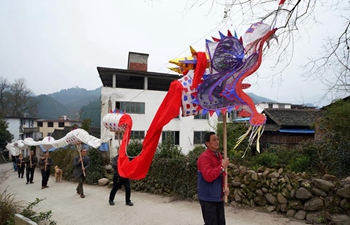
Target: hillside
pixel 50 108
pixel 258 99
pixel 67 102
pixel 75 98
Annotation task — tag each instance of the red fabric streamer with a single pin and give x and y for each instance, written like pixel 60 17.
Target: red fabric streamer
pixel 138 167
pixel 201 65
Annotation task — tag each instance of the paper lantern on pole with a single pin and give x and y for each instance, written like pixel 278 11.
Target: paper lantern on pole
pixel 111 122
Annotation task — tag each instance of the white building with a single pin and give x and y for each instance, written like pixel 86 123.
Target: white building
pixel 140 93
pixel 22 127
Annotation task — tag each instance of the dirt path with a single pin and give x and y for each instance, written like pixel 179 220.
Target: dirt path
pixel 69 209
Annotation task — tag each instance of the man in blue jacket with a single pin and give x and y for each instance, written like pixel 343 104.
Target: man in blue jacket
pixel 211 172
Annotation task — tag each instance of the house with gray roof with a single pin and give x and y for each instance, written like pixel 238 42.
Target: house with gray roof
pixel 288 127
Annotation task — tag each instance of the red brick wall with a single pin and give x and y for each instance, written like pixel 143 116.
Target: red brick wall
pixel 138 66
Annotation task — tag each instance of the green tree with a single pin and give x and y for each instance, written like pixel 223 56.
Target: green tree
pixel 334 137
pixel 234 131
pixel 86 124
pixel 5 135
pixel 16 99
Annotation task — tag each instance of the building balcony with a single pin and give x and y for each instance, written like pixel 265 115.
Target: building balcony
pixel 28 130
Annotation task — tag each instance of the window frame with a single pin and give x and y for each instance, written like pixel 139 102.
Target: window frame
pixel 201 139
pixel 131 107
pixel 175 133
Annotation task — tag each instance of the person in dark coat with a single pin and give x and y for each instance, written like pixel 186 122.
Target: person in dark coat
pixel 45 163
pixel 81 164
pixel 31 161
pixel 20 166
pixel 118 181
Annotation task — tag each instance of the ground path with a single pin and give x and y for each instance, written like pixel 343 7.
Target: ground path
pixel 69 209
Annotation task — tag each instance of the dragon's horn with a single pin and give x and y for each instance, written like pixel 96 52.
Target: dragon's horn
pixel 193 52
pixel 216 39
pixel 221 35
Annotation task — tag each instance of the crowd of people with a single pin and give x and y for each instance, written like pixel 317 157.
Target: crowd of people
pixel 210 181
pixel 81 164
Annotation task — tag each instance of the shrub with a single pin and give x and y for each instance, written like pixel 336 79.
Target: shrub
pixel 167 149
pixel 96 169
pixel 284 155
pixel 134 148
pixel 8 206
pixel 37 217
pixel 196 152
pixel 63 158
pixel 265 159
pixel 300 163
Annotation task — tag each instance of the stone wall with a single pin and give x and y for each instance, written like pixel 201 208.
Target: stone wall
pixel 293 194
pixel 314 199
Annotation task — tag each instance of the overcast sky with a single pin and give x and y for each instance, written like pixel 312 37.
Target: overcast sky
pixel 57 45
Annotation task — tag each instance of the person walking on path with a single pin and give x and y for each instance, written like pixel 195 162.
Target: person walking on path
pixel 118 181
pixel 31 161
pixel 211 173
pixel 45 163
pixel 20 166
pixel 81 163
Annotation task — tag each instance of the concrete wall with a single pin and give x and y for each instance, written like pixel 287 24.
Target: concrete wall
pixel 21 220
pixel 13 127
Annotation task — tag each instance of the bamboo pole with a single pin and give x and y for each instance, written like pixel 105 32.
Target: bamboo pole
pixel 82 162
pixel 30 160
pixel 224 138
pixel 46 158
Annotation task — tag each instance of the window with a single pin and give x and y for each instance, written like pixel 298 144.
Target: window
pixel 131 107
pixel 40 124
pixel 60 124
pixel 198 137
pixel 174 135
pixel 49 124
pixel 199 116
pixel 229 116
pixel 137 134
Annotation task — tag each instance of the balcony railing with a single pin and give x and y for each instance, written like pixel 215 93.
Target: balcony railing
pixel 28 130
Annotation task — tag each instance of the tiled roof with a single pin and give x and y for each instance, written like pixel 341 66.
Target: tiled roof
pixel 271 127
pixel 293 117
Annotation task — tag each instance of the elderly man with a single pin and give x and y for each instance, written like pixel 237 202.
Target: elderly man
pixel 81 163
